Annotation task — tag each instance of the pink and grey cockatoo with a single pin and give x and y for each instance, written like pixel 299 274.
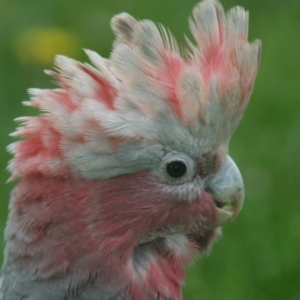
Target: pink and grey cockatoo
pixel 125 176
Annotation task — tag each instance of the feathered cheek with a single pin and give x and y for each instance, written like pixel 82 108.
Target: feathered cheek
pixel 185 192
pixel 205 212
pixel 193 206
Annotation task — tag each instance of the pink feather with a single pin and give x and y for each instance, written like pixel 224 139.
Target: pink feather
pixel 93 187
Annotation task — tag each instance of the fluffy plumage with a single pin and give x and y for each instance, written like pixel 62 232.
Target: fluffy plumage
pixel 96 214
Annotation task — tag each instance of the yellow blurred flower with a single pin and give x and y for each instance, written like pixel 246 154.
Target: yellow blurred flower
pixel 38 46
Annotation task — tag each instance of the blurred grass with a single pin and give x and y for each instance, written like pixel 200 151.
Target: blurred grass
pixel 258 257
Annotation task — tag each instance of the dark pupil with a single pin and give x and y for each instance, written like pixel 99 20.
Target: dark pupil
pixel 176 169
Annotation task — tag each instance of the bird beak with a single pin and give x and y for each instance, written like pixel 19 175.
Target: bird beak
pixel 227 189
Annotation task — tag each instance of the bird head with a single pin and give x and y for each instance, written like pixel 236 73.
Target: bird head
pixel 132 151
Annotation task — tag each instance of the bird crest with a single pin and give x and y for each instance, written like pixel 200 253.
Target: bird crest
pixel 146 93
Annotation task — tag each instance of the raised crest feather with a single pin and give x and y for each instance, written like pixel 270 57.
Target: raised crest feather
pixel 147 90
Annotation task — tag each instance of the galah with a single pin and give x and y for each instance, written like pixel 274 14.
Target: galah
pixel 125 177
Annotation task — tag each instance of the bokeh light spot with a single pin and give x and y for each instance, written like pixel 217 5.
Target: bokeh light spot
pixel 38 46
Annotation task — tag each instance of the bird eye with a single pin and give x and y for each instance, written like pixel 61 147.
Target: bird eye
pixel 176 169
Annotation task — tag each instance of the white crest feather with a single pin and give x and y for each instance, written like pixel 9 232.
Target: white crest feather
pixel 148 97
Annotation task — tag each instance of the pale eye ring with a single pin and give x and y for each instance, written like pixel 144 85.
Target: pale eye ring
pixel 177 167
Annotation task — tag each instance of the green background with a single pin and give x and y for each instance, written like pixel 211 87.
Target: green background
pixel 258 256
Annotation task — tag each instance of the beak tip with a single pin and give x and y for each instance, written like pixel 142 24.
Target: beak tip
pixel 227 187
